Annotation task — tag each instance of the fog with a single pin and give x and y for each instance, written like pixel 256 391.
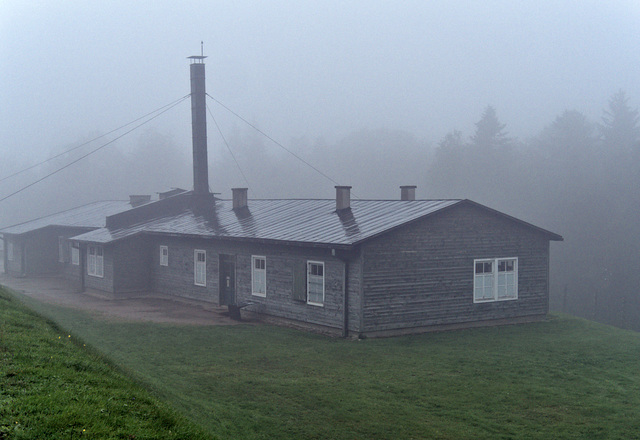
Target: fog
pixel 528 107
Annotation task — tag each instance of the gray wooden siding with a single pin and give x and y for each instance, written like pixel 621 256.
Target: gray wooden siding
pixel 106 282
pixel 132 265
pixel 38 251
pixel 14 266
pixel 41 252
pixel 354 284
pixel 177 278
pixel 422 274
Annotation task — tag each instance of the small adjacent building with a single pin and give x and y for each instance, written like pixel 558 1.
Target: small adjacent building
pixel 42 246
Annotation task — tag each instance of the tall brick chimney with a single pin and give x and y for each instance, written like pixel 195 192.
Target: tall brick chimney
pixel 199 126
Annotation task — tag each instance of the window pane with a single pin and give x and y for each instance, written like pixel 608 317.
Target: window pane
pixel 315 283
pixel 484 267
pixel 483 287
pixel 315 289
pixel 259 276
pixel 506 266
pixel 100 265
pixel 200 269
pixel 507 285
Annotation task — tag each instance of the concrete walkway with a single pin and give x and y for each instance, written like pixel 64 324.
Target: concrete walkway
pixel 146 307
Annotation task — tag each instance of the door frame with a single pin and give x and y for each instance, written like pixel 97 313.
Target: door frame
pixel 223 261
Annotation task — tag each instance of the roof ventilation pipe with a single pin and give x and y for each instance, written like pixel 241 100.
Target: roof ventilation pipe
pixel 408 192
pixel 240 199
pixel 343 197
pixel 137 200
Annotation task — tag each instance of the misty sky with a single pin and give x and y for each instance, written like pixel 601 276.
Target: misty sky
pixel 298 69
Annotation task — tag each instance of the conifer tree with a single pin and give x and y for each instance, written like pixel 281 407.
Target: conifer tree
pixel 619 128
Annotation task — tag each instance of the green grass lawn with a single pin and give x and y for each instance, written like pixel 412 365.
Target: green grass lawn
pixel 53 387
pixel 565 378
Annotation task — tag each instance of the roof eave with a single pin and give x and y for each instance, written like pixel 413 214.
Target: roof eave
pixel 551 235
pixel 270 241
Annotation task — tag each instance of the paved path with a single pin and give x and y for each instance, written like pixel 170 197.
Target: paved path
pixel 56 290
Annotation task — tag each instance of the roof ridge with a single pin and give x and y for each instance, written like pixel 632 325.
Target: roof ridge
pixel 60 212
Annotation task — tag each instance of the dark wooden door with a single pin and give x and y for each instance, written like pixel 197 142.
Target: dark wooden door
pixel 227 280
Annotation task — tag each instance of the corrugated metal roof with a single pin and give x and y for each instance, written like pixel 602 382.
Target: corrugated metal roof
pixel 92 215
pixel 304 221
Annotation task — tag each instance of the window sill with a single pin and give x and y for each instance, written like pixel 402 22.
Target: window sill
pixel 482 301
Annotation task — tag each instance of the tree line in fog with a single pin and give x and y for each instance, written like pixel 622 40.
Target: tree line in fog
pixel 578 177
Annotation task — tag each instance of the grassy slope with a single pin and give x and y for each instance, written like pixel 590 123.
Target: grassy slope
pixel 566 378
pixel 51 388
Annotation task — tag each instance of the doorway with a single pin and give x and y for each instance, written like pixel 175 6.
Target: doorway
pixel 227 280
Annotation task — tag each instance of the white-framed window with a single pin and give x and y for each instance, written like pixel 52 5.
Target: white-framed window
pixel 495 279
pixel 75 254
pixel 315 283
pixel 164 255
pixel 95 261
pixel 258 275
pixel 10 251
pixel 200 267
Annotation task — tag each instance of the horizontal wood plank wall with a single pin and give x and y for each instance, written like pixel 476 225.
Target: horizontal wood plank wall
pixel 132 259
pixel 422 274
pixel 177 277
pixel 41 249
pixel 14 266
pixel 104 283
pixel 71 271
pixel 354 284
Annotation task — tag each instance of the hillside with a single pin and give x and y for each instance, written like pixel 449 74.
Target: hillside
pixel 564 378
pixel 52 386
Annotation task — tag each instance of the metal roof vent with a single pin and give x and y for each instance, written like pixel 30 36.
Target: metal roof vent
pixel 240 199
pixel 343 197
pixel 408 192
pixel 137 200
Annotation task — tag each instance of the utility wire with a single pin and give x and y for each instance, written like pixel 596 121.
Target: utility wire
pixel 96 149
pixel 228 147
pixel 274 141
pixel 94 139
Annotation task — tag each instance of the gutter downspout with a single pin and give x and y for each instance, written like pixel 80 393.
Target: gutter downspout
pixel 23 257
pixel 345 290
pixel 5 252
pixel 83 262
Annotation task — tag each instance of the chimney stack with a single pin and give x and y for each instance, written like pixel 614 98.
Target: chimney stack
pixel 343 197
pixel 199 126
pixel 137 200
pixel 408 192
pixel 239 198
